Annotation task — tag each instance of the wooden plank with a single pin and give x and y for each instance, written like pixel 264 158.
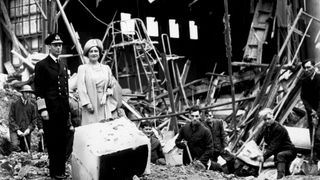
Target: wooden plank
pixel 173 125
pixel 71 32
pixel 131 109
pixel 8 26
pixel 185 71
pixel 177 89
pixel 180 86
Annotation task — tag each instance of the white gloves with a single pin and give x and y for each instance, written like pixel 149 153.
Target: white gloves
pixel 44 114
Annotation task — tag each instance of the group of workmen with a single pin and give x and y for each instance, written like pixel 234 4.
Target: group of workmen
pixel 203 139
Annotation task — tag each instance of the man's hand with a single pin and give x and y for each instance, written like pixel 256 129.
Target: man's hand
pixel 40 131
pixel 20 133
pixel 71 128
pixel 26 132
pixel 44 114
pixel 257 158
pixel 181 144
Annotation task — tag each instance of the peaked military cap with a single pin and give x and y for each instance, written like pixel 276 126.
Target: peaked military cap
pixel 53 38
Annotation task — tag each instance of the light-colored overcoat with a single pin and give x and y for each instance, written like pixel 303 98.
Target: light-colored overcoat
pixel 88 93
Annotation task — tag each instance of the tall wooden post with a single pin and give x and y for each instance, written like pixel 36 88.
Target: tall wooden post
pixel 173 125
pixel 227 32
pixel 313 9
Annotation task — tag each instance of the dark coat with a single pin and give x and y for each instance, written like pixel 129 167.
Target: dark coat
pixel 22 116
pixel 199 141
pixel 310 93
pixel 219 136
pixel 51 83
pixel 277 139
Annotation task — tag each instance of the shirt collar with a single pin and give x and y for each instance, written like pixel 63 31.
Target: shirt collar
pixel 53 57
pixel 314 73
pixel 24 101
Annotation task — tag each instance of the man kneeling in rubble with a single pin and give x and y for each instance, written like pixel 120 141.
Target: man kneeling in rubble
pixel 157 156
pixel 278 143
pixel 195 140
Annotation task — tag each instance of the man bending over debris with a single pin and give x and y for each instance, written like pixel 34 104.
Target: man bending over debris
pixel 278 143
pixel 195 140
pixel 22 119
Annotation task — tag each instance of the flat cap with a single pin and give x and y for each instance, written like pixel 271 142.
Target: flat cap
pixel 53 38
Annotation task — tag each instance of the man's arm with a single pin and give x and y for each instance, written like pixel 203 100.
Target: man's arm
pixel 12 119
pixel 275 143
pixel 224 139
pixel 179 139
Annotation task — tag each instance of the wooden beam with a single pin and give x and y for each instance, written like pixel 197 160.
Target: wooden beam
pixel 258 65
pixel 185 112
pixel 173 125
pixel 63 6
pixel 177 89
pixel 41 10
pixel 71 32
pixel 8 26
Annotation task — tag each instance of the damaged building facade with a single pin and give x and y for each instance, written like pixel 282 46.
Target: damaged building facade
pixel 169 55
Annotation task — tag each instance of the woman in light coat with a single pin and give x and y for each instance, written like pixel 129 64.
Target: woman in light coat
pixel 95 85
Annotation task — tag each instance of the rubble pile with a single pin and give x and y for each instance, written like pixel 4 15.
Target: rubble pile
pixel 184 173
pixel 7 97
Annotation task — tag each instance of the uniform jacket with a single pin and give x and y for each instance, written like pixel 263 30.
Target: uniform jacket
pixel 219 136
pixel 277 139
pixel 51 83
pixel 22 116
pixel 199 141
pixel 88 93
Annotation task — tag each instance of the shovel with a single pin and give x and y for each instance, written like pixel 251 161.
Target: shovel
pixel 311 168
pixel 261 163
pixel 26 144
pixel 196 164
pixel 188 150
pixel 42 142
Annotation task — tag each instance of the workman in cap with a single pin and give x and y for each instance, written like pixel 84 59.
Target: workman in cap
pixel 51 89
pixel 22 119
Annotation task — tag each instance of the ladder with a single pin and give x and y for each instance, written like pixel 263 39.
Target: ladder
pixel 145 54
pixel 258 31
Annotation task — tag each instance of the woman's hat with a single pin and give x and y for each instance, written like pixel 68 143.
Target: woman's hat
pixel 92 43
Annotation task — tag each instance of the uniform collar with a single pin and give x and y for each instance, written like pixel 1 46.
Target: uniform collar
pixel 53 57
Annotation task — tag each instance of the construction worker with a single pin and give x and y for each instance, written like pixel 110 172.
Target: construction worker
pixel 220 141
pixel 310 96
pixel 277 142
pixel 22 120
pixel 195 140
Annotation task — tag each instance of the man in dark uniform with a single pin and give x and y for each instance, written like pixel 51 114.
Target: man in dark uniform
pixel 51 89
